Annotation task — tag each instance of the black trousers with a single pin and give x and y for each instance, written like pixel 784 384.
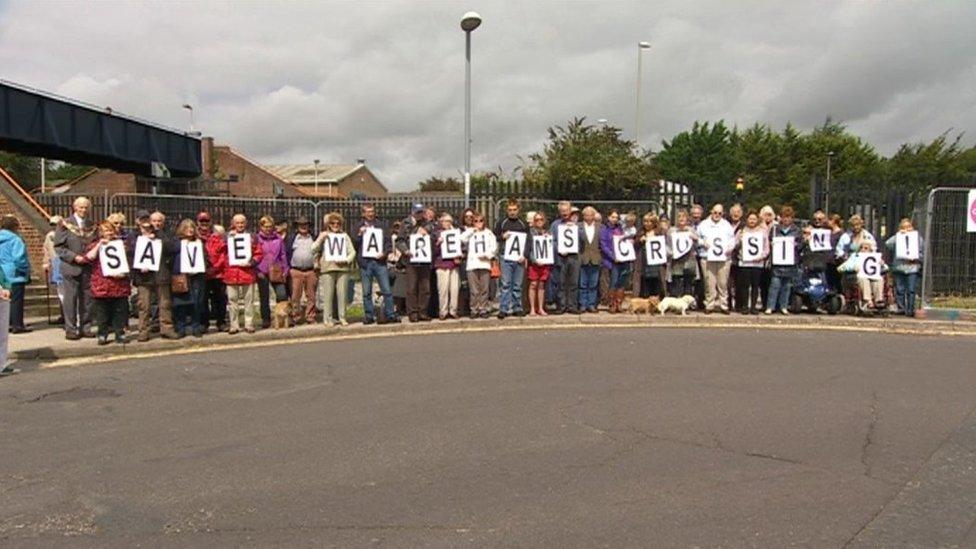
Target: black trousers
pixel 418 289
pixel 569 285
pixel 215 303
pixel 17 305
pixel 111 312
pixel 651 285
pixel 748 282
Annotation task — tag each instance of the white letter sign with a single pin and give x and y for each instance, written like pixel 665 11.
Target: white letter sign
pixel 148 254
pixel 515 246
pixel 681 244
pixel 568 235
pixel 191 257
pixel 451 244
pixel 372 242
pixel 623 249
pixel 542 249
pixel 906 245
pixel 655 250
pixel 336 248
pixel 784 251
pixel 752 246
pixel 420 248
pixel 239 250
pixel 820 240
pixel 871 265
pixel 112 258
pixel 971 212
pixel 716 249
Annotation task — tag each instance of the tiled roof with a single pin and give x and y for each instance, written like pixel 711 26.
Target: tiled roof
pixel 304 174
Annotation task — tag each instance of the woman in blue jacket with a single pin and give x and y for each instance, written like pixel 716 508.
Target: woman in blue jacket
pixel 16 269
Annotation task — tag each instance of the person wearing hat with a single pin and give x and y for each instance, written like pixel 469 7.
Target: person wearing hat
pixel 418 274
pixel 52 265
pixel 71 240
pixel 304 279
pixel 215 292
pixel 156 284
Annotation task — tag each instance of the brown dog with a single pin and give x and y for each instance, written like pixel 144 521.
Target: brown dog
pixel 638 305
pixel 282 315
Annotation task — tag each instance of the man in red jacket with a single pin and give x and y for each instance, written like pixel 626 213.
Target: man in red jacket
pixel 240 279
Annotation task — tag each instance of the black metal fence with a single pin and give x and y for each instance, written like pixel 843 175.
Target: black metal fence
pixel 949 279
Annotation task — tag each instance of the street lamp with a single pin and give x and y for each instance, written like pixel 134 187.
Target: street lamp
pixel 469 22
pixel 830 156
pixel 641 46
pixel 316 162
pixel 189 107
pixel 602 122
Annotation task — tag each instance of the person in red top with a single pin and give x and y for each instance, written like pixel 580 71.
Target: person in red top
pixel 215 294
pixel 110 295
pixel 240 280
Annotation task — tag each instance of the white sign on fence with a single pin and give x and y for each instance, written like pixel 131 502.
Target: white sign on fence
pixel 239 249
pixel 971 212
pixel 191 257
pixel 147 254
pixel 112 258
pixel 906 245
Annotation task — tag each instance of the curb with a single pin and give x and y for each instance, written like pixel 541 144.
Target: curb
pixel 317 333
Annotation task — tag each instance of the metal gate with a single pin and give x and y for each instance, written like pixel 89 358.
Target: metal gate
pixel 640 207
pixel 221 208
pixel 949 262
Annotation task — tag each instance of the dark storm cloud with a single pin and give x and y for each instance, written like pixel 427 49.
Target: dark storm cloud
pixel 384 80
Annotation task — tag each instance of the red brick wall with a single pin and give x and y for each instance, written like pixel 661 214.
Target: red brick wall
pixel 102 180
pixel 33 239
pixel 252 180
pixel 362 181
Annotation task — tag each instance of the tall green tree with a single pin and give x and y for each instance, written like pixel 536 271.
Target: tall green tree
pixel 587 161
pixel 922 166
pixel 441 184
pixel 705 156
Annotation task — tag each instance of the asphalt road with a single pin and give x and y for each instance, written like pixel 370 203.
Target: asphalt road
pixel 570 438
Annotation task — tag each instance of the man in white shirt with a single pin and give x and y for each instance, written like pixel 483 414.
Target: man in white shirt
pixel 716 237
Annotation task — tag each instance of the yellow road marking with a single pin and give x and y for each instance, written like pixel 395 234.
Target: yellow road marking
pixel 90 360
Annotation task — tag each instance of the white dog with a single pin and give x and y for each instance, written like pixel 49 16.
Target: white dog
pixel 676 304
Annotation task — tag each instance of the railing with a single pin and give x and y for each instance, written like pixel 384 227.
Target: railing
pixel 27 196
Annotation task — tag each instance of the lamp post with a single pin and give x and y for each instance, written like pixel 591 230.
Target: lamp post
pixel 469 22
pixel 641 46
pixel 316 162
pixel 830 156
pixel 189 107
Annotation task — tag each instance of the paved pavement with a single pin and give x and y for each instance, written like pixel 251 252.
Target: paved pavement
pixel 618 436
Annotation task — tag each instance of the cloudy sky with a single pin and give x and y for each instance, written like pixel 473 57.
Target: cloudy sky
pixel 288 82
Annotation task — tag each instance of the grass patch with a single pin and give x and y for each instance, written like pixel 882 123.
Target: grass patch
pixel 953 302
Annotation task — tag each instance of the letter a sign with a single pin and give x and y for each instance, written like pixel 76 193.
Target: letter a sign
pixel 515 246
pixel 372 243
pixel 148 254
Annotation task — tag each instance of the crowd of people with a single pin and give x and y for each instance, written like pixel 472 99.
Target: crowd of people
pixel 430 265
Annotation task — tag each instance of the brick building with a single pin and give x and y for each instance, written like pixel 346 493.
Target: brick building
pixel 334 180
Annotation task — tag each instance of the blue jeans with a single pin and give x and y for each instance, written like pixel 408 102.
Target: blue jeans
pixel 905 285
pixel 780 288
pixel 589 281
pixel 553 295
pixel 510 287
pixel 618 275
pixel 371 270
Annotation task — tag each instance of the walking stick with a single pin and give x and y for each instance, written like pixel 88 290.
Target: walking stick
pixel 47 295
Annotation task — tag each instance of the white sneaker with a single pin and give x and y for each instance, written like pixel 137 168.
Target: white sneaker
pixel 768 312
pixel 784 312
